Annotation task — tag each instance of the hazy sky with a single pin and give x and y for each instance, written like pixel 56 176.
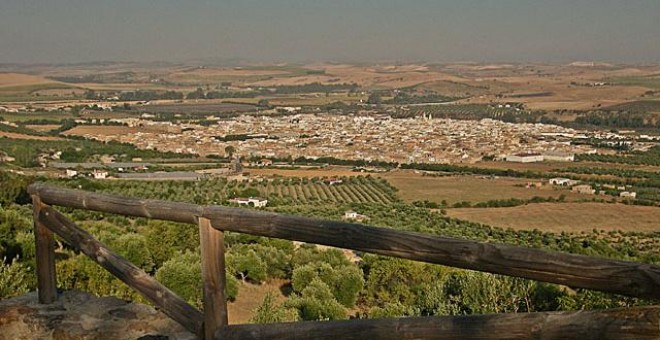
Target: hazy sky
pixel 330 30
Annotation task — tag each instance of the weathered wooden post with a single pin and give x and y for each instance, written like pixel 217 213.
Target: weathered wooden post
pixel 45 252
pixel 213 273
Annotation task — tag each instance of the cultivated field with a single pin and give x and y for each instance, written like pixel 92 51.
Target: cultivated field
pixel 18 80
pixel 43 128
pixel 331 171
pixel 543 87
pixel 414 187
pixel 353 190
pixel 551 166
pixel 569 217
pixel 23 87
pixel 112 130
pixel 196 108
pixel 13 135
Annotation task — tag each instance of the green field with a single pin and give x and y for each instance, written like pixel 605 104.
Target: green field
pixel 637 106
pixel 26 116
pixel 652 81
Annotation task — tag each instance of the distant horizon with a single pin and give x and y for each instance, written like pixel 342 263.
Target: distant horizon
pixel 240 62
pixel 350 31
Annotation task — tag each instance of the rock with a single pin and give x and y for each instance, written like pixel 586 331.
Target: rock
pixel 79 315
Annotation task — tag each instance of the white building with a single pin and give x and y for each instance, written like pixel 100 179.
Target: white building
pixel 351 215
pixel 98 174
pixel 525 158
pixel 71 173
pixel 558 156
pixel 628 194
pixel 584 189
pixel 256 202
pixel 565 182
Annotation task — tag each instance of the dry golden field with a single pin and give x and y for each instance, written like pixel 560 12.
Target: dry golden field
pixel 414 187
pixel 549 166
pixel 101 130
pixel 18 79
pixel 569 217
pixel 42 127
pixel 250 296
pixel 560 86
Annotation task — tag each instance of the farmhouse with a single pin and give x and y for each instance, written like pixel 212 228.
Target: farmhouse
pixel 256 202
pixel 564 182
pixel 628 194
pixel 352 215
pixel 99 174
pixel 71 173
pixel 583 189
pixel 525 158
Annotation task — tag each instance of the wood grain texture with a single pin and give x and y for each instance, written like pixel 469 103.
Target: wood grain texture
pixel 162 210
pixel 163 298
pixel 213 273
pixel 625 323
pixel 579 271
pixel 45 256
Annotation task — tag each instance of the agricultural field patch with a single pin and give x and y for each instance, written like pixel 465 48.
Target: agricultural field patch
pixel 13 80
pixel 317 191
pixel 637 106
pixel 279 191
pixel 330 171
pixel 12 135
pixel 558 166
pixel 454 189
pixel 196 108
pixel 568 217
pixel 649 81
pixel 43 128
pixel 108 130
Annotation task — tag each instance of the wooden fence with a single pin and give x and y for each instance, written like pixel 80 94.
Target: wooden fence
pixel 621 277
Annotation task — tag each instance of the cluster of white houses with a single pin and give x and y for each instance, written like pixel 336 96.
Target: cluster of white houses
pixel 361 137
pixel 97 174
pixel 588 189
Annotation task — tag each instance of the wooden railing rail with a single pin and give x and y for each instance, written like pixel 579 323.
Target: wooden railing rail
pixel 620 323
pixel 622 277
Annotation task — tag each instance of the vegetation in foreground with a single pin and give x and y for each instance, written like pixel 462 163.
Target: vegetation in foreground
pixel 324 284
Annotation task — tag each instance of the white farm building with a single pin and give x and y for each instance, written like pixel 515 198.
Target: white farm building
pixel 525 158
